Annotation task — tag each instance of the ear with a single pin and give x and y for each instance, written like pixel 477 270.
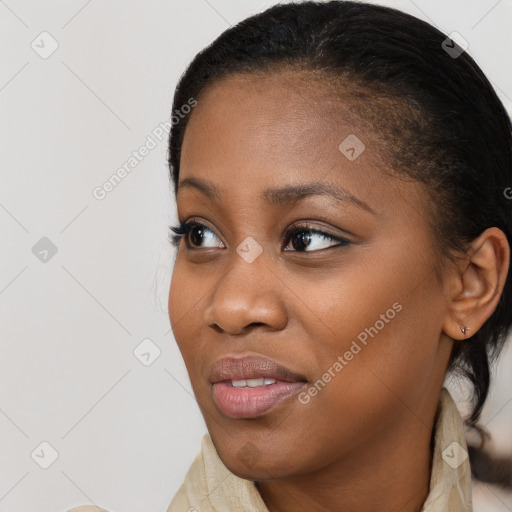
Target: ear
pixel 476 284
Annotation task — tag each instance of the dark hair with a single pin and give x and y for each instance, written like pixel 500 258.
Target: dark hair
pixel 441 123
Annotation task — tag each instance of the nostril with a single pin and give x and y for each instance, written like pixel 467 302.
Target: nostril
pixel 256 324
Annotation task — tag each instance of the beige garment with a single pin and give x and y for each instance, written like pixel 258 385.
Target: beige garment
pixel 87 508
pixel 210 487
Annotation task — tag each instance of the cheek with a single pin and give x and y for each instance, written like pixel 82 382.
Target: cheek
pixel 177 295
pixel 185 301
pixel 355 301
pixel 177 290
pixel 384 321
pixel 388 341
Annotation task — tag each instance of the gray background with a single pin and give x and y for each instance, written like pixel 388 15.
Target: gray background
pixel 125 432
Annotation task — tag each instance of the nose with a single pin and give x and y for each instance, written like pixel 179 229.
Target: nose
pixel 247 295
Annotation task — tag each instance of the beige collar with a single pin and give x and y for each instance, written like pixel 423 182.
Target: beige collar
pixel 210 487
pixel 450 480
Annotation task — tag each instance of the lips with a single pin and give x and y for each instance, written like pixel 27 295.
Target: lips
pixel 251 367
pixel 250 387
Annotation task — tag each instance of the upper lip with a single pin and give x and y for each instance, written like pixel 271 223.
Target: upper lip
pixel 251 367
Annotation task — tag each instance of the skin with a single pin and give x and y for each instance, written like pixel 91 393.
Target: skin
pixel 363 442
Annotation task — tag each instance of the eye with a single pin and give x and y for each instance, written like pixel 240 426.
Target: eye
pixel 194 233
pixel 307 239
pixel 301 238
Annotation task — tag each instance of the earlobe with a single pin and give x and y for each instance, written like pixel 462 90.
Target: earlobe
pixel 465 330
pixel 477 284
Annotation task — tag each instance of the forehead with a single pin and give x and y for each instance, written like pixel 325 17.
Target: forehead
pixel 285 115
pixel 249 132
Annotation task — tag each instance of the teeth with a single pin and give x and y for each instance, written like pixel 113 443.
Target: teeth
pixel 252 383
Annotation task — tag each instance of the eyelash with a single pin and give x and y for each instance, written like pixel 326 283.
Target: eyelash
pixel 184 228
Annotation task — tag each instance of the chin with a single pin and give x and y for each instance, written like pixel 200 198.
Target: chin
pixel 259 472
pixel 252 464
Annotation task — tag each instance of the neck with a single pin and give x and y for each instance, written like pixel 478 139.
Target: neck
pixel 390 473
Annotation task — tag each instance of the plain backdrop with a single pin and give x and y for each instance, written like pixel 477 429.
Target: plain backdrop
pixel 84 281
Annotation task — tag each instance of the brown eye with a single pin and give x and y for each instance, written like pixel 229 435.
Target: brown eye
pixel 304 239
pixel 195 234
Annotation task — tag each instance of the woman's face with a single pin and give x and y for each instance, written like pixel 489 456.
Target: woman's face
pixel 311 258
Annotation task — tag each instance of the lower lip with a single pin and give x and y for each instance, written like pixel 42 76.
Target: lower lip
pixel 252 402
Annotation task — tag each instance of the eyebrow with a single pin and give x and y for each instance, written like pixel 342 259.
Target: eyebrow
pixel 283 195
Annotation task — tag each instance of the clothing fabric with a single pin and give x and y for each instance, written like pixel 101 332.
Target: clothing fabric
pixel 210 487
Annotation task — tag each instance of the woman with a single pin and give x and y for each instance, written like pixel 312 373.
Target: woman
pixel 343 181
pixel 344 242
pixel 343 177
